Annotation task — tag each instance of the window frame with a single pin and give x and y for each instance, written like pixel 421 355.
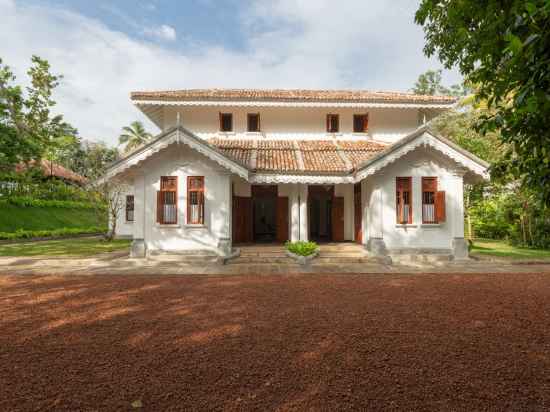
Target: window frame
pixel 128 209
pixel 222 114
pixel 161 197
pixel 329 123
pixel 259 127
pixel 200 197
pixel 364 122
pixel 399 200
pixel 429 185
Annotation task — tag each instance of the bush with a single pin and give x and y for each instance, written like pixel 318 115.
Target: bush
pixel 301 247
pixel 27 234
pixel 27 201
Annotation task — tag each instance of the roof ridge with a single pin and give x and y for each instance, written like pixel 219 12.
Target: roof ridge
pixel 341 152
pixel 299 156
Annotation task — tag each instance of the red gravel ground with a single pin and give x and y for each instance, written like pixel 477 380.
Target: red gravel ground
pixel 309 342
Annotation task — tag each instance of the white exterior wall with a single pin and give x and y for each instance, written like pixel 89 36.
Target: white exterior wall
pixel 386 125
pixel 124 229
pixel 380 202
pixel 181 161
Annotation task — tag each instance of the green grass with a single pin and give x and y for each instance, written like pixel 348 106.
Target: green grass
pixel 502 249
pixel 65 247
pixel 45 218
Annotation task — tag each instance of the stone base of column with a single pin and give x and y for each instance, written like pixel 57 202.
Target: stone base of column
pixel 138 249
pixel 460 248
pixel 377 247
pixel 224 246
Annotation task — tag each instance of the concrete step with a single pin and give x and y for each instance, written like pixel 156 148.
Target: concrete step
pixel 421 258
pixel 184 257
pixel 278 260
pixel 340 260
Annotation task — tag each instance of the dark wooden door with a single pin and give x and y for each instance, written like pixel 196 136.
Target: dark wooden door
pixel 358 213
pixel 242 219
pixel 338 219
pixel 282 219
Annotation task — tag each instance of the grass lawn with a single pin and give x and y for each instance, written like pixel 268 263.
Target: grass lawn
pixel 498 248
pixel 45 218
pixel 63 247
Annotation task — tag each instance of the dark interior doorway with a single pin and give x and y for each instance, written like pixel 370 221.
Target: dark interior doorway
pixel 320 203
pixel 264 201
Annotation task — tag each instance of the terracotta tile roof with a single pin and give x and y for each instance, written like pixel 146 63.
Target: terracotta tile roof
pixel 290 95
pixel 318 156
pixel 53 169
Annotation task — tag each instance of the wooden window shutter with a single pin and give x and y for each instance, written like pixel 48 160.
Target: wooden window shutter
pixel 159 206
pixel 221 121
pixel 328 122
pixel 440 206
pixel 365 123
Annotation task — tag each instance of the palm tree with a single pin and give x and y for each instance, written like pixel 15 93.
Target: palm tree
pixel 134 136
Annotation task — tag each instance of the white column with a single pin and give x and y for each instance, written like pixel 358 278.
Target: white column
pixel 376 243
pixel 455 202
pixel 138 245
pixel 302 193
pixel 416 200
pixel 365 198
pixel 225 210
pixel 295 214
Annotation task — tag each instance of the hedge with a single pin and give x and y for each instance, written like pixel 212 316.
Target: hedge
pixel 26 201
pixel 27 234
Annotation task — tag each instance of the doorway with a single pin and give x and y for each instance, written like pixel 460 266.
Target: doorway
pixel 264 206
pixel 320 199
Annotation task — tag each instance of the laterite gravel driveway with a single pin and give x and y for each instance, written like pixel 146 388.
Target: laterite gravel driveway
pixel 305 342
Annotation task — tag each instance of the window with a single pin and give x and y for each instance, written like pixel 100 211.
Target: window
pixel 226 122
pixel 333 125
pixel 403 200
pixel 360 123
pixel 167 200
pixel 253 122
pixel 130 208
pixel 195 200
pixel 433 201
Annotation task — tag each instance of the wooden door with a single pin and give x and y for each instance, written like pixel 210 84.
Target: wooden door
pixel 338 219
pixel 242 219
pixel 282 219
pixel 358 213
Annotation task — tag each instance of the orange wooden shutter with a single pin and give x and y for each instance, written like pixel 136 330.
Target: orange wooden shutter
pixel 338 219
pixel 159 207
pixel 366 123
pixel 440 206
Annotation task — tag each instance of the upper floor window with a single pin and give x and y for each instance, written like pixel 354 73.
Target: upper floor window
pixel 404 200
pixel 195 200
pixel 130 208
pixel 360 123
pixel 226 122
pixel 333 123
pixel 253 122
pixel 167 200
pixel 433 201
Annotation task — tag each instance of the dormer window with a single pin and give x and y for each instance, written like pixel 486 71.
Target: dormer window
pixel 253 122
pixel 333 123
pixel 360 123
pixel 226 122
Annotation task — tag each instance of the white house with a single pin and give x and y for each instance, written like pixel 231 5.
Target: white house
pixel 243 166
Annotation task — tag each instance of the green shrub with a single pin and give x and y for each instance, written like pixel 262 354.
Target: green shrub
pixel 27 234
pixel 27 201
pixel 301 248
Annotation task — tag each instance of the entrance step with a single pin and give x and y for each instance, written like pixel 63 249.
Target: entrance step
pixel 432 258
pixel 191 257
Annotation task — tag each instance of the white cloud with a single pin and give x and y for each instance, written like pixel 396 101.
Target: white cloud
pixel 163 32
pixel 290 44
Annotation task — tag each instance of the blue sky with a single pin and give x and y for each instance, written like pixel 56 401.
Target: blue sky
pixel 106 49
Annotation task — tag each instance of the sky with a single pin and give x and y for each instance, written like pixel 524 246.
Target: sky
pixel 106 49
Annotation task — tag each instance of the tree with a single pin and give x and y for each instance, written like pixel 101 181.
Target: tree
pixel 429 83
pixel 27 127
pixel 504 48
pixel 110 194
pixel 134 136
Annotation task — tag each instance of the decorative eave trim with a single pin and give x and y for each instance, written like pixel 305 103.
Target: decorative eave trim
pixel 177 135
pixel 238 103
pixel 309 179
pixel 422 137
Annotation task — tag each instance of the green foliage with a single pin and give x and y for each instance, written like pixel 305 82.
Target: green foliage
pixel 495 248
pixel 28 130
pixel 26 201
pixel 503 48
pixel 29 186
pixel 302 248
pixel 429 83
pixel 28 234
pixel 14 217
pixel 134 136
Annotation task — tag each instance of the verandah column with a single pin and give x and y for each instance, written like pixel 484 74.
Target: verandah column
pixel 376 244
pixel 226 210
pixel 138 249
pixel 455 203
pixel 303 192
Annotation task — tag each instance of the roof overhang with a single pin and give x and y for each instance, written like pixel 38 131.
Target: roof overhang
pixel 422 137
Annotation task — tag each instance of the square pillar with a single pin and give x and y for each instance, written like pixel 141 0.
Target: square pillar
pixel 295 214
pixel 304 227
pixel 138 248
pixel 376 244
pixel 225 219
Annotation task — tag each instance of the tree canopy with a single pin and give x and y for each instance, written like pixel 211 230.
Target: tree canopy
pixel 134 136
pixel 503 47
